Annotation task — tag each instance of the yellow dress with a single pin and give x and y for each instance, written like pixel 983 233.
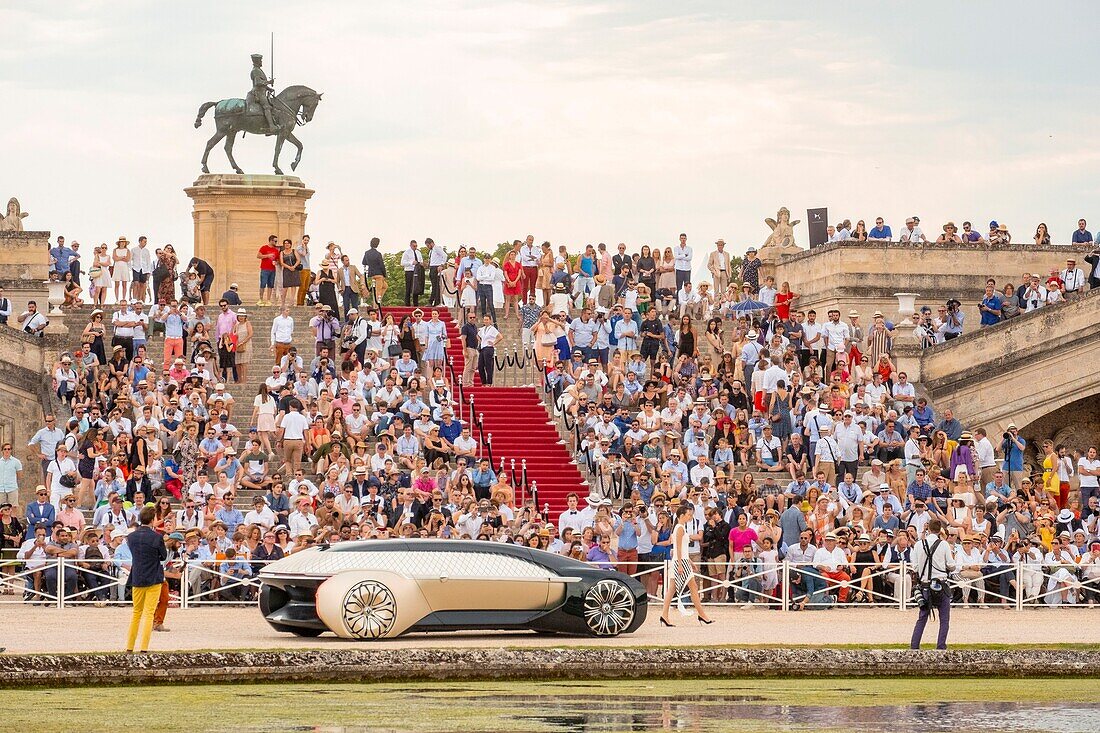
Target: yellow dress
pixel 1050 478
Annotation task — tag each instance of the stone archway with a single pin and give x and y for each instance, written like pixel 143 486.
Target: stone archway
pixel 1076 424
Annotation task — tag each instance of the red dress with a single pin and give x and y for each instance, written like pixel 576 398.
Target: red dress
pixel 783 305
pixel 513 271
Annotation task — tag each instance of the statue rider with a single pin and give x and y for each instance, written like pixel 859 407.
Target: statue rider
pixel 262 89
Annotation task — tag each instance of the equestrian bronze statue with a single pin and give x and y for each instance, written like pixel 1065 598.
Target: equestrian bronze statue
pixel 261 112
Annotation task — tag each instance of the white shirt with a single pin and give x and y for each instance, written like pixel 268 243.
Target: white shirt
pixel 830 560
pixel 488 274
pixel 911 235
pixel 264 517
pixel 294 425
pixel 837 335
pixel 487 336
pixel 571 518
pixel 300 523
pixel 124 315
pixel 943 560
pixel 529 256
pixel 141 259
pixel 984 450
pixel 282 330
pixel 682 257
pixel 1084 462
pixel 848 438
pixel 437 257
pixel 1073 279
pixel 1034 298
pixel 904 390
pixel 409 258
pixel 200 492
pixel 57 469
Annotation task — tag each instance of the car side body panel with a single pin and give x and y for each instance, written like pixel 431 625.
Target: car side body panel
pixel 376 589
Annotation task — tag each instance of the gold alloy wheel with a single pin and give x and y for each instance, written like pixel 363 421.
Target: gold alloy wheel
pixel 369 610
pixel 608 608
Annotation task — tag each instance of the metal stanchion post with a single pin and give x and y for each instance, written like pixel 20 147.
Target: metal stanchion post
pixel 185 585
pixel 1019 586
pixel 786 586
pixel 60 565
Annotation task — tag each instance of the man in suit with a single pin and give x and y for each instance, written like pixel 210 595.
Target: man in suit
pixel 718 264
pixel 437 260
pixel 408 508
pixel 147 577
pixel 352 286
pixel 40 511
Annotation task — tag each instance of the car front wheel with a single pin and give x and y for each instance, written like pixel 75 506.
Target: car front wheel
pixel 369 610
pixel 608 608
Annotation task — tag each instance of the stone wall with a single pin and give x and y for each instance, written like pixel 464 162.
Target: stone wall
pixel 626 663
pixel 24 389
pixel 24 267
pixel 865 275
pixel 1020 371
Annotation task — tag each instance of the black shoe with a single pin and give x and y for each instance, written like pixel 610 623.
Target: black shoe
pixel 663 622
pixel 707 621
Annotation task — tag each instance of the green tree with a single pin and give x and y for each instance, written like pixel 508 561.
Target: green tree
pixel 395 274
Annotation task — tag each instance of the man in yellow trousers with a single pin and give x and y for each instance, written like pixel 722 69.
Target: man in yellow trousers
pixel 147 577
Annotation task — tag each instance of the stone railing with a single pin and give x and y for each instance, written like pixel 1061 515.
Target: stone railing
pixel 866 275
pixel 1020 370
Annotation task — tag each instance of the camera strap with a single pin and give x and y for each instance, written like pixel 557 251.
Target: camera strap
pixel 927 570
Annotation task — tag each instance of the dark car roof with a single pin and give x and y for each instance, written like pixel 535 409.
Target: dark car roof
pixel 550 560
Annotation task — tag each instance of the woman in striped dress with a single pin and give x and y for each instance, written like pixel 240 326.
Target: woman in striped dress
pixel 683 573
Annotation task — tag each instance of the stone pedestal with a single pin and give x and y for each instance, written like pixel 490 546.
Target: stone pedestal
pixel 235 214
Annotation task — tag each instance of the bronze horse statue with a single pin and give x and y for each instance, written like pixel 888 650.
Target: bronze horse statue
pixel 293 106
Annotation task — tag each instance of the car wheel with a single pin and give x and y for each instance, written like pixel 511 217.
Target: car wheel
pixel 369 610
pixel 608 608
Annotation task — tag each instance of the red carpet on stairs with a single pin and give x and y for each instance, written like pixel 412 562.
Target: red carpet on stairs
pixel 520 426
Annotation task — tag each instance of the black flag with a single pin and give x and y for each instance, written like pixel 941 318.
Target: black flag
pixel 818 221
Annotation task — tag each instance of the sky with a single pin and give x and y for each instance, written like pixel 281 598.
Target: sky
pixel 577 122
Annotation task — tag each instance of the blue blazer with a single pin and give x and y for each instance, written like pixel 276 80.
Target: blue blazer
pixel 38 513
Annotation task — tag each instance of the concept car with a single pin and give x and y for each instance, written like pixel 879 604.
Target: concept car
pixel 382 589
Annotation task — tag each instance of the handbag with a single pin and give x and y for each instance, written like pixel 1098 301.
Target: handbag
pixel 394 349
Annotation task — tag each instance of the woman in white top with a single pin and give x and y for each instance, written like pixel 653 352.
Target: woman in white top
pixel 101 279
pixel 121 273
pixel 264 408
pixel 682 569
pixel 391 335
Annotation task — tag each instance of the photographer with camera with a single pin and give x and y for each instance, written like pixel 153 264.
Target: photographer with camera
pixel 927 331
pixel 952 325
pixel 932 562
pixel 1012 448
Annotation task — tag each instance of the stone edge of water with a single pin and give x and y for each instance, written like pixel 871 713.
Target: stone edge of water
pixel 402 665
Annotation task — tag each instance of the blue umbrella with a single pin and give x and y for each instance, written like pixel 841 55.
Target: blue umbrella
pixel 748 306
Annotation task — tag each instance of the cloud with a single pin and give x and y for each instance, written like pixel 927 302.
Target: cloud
pixel 575 121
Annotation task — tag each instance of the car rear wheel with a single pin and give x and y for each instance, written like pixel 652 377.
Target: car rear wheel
pixel 608 608
pixel 369 610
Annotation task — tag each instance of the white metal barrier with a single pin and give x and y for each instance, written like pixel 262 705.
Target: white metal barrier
pixel 60 583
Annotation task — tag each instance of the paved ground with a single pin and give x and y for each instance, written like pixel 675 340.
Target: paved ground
pixel 28 629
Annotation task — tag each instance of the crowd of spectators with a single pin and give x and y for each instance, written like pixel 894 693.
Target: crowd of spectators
pixel 794 438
